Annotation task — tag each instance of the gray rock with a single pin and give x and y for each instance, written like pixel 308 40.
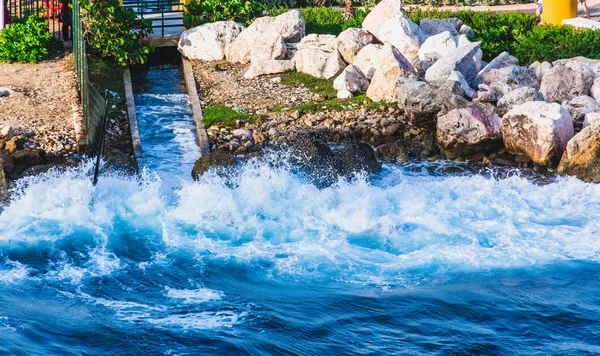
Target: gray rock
pixel 402 33
pixel 460 60
pixel 431 27
pixel 392 65
pixel 385 10
pixel 269 67
pixel 506 79
pixel 540 69
pixel 466 30
pixel 504 59
pixel 486 94
pixel 516 97
pixel 207 42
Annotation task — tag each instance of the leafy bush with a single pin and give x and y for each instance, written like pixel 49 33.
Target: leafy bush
pixel 25 41
pixel 496 31
pixel 198 12
pixel 114 31
pixel 327 20
pixel 549 43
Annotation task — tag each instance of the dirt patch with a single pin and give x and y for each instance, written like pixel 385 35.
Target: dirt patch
pixel 223 83
pixel 40 103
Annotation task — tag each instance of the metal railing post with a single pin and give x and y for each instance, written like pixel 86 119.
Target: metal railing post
pixel 3 6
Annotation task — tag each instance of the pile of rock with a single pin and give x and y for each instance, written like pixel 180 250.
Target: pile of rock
pixel 438 78
pixel 17 154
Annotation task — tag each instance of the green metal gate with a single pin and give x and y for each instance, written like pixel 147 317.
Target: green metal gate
pixel 94 104
pixel 166 15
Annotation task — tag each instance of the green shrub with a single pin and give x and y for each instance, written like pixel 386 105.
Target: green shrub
pixel 198 12
pixel 549 43
pixel 25 41
pixel 327 20
pixel 114 31
pixel 496 31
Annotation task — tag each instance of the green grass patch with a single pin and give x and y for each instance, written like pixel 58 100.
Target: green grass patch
pixel 323 87
pixel 226 116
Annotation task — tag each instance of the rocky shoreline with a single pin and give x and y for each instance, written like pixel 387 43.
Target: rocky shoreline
pixel 429 93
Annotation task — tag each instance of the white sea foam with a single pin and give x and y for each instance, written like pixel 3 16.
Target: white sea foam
pixel 403 228
pixel 202 320
pixel 193 296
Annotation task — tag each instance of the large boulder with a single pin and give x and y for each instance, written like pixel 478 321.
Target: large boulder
pixel 467 131
pixel 516 97
pixel 402 33
pixel 563 83
pixel 595 89
pixel 432 27
pixel 463 40
pixel 392 65
pixel 537 129
pixel 460 60
pixel 207 42
pixel 269 67
pixel 505 79
pixel 423 101
pixel 396 151
pixel 317 56
pixel 582 156
pixel 385 10
pixel 589 68
pixel 350 42
pixel 268 46
pixel 368 59
pixel 290 26
pixel 350 81
pixel 504 59
pixel 437 46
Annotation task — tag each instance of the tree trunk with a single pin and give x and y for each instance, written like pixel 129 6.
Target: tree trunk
pixel 349 11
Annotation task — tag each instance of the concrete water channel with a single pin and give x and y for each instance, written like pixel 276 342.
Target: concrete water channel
pixel 166 124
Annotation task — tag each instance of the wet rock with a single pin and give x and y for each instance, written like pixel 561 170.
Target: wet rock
pixel 14 144
pixel 432 27
pixel 460 60
pixel 505 79
pixel 538 130
pixel 350 42
pixel 217 159
pixel 350 81
pixel 368 59
pixel 563 83
pixel 356 157
pixel 402 33
pixel 468 131
pixel 392 65
pixel 28 157
pixel 207 42
pixel 269 67
pixel 504 59
pixel 396 151
pixel 6 161
pixel 582 155
pixel 385 10
pixel 516 97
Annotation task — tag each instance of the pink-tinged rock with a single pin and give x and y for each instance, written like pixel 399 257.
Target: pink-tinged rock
pixel 380 14
pixel 564 83
pixel 392 65
pixel 350 81
pixel 467 131
pixel 582 156
pixel 537 129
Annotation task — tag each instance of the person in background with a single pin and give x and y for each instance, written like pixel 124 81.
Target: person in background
pixel 538 9
pixel 585 8
pixel 66 17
